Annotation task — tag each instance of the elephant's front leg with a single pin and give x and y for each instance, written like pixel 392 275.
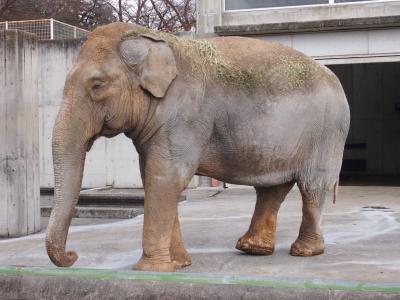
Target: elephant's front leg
pixel 164 182
pixel 160 211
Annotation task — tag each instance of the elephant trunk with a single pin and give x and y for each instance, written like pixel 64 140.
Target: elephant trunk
pixel 70 142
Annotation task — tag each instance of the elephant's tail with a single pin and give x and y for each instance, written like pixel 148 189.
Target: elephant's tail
pixel 335 191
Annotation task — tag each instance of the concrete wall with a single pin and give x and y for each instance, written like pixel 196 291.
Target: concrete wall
pixel 19 140
pixel 110 161
pixel 340 47
pixel 373 93
pixel 211 13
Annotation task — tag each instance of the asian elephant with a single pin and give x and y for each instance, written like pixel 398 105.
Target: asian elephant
pixel 241 110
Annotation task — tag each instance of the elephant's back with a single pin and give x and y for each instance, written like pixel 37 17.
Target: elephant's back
pixel 255 52
pixel 273 66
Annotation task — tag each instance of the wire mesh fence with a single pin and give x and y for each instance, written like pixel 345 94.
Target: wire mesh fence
pixel 46 29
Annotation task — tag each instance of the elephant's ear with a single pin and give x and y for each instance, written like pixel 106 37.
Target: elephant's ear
pixel 154 60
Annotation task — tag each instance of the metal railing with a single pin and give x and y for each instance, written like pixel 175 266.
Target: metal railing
pixel 46 29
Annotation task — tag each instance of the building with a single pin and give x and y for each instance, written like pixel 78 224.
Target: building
pixel 358 40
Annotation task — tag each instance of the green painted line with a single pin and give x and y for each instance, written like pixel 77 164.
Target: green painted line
pixel 205 279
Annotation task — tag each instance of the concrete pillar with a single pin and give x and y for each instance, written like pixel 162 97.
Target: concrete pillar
pixel 19 140
pixel 209 14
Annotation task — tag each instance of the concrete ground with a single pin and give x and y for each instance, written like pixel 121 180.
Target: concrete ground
pixel 362 234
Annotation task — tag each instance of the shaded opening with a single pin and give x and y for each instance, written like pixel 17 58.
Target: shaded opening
pixel 372 152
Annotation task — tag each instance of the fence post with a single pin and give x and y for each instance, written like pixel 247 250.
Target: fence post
pixel 6 25
pixel 52 29
pixel 19 135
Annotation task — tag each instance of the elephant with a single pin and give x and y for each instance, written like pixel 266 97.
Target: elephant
pixel 242 110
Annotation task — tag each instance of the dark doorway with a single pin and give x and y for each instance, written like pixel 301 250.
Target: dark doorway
pixel 372 153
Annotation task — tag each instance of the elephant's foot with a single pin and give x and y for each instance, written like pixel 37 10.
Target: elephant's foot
pixel 254 244
pixel 147 264
pixel 307 247
pixel 180 257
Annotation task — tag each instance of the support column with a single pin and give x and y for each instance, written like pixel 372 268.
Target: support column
pixel 19 140
pixel 209 15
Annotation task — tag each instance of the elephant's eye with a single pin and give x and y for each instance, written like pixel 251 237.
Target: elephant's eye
pixel 96 90
pixel 97 85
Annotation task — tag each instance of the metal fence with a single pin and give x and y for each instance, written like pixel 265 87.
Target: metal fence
pixel 46 29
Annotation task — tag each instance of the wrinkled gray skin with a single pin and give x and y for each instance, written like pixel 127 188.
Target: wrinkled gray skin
pixel 269 137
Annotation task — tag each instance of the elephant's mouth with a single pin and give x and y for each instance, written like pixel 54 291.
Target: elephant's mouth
pixel 105 131
pixel 109 132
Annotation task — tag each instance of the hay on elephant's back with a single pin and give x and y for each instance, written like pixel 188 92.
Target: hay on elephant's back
pixel 205 60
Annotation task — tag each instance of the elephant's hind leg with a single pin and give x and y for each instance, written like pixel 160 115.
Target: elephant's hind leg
pixel 260 237
pixel 179 255
pixel 310 240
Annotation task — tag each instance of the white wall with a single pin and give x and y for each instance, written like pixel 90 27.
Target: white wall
pixel 110 161
pixel 341 47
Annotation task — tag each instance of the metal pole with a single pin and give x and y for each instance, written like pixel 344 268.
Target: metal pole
pixel 6 25
pixel 74 32
pixel 51 28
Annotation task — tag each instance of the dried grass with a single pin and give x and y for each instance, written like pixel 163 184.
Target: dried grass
pixel 204 59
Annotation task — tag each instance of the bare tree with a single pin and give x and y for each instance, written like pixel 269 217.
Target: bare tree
pixel 120 16
pixel 5 5
pixel 184 13
pixel 166 15
pixel 93 13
